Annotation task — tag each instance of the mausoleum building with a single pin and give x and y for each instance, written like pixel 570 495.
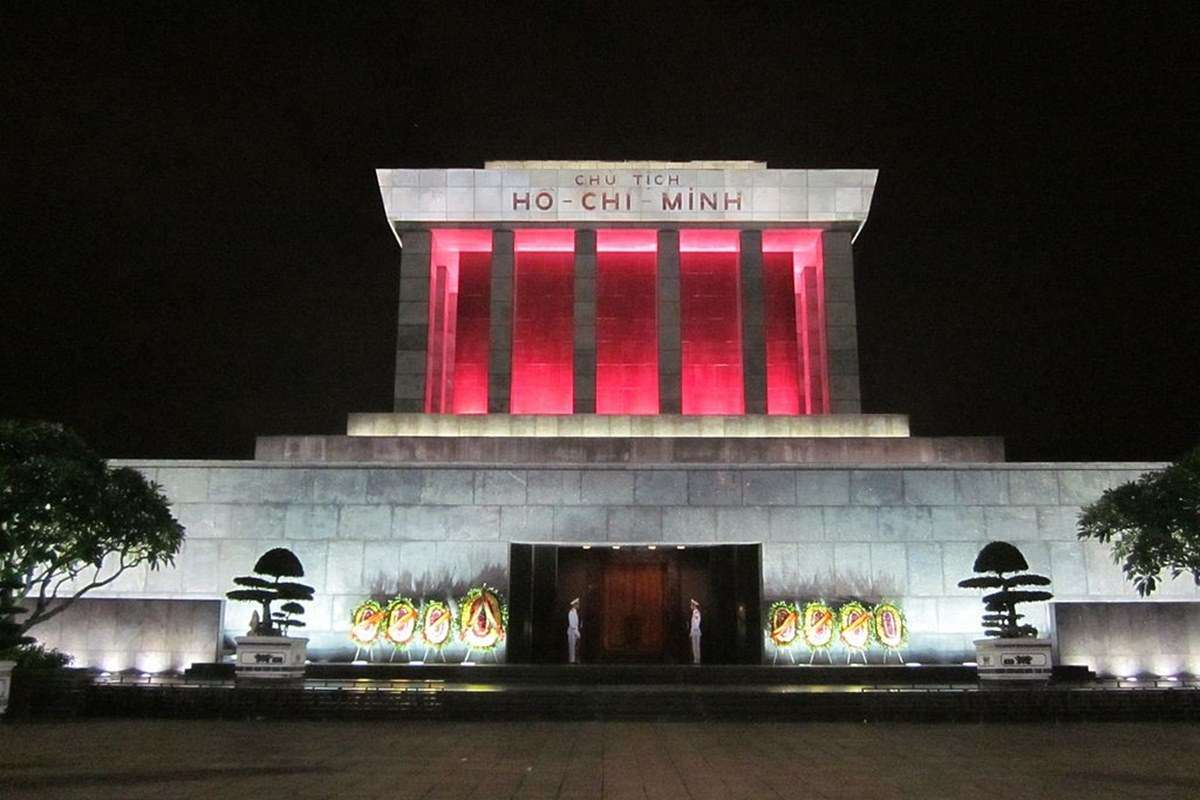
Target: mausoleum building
pixel 634 383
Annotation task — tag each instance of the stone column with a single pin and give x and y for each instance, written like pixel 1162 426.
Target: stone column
pixel 754 348
pixel 500 335
pixel 841 322
pixel 585 322
pixel 412 331
pixel 669 398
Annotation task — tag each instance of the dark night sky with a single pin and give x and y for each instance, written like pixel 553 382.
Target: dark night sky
pixel 194 249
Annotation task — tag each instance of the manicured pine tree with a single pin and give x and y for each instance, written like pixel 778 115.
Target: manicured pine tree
pixel 1006 570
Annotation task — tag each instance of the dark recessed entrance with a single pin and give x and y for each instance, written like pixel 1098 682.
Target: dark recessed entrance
pixel 634 602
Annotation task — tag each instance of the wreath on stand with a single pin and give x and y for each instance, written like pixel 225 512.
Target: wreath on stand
pixel 401 622
pixel 483 619
pixel 891 628
pixel 783 622
pixel 819 629
pixel 855 629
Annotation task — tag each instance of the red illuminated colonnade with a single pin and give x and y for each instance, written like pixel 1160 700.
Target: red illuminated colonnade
pixel 626 326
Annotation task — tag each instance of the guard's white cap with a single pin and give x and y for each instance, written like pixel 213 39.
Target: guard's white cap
pixel 575 602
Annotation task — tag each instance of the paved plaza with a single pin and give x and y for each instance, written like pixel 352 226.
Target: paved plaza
pixel 204 759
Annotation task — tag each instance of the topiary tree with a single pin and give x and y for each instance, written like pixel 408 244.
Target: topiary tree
pixel 1152 524
pixel 1007 571
pixel 278 563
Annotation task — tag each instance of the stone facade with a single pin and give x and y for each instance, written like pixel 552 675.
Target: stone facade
pixel 907 533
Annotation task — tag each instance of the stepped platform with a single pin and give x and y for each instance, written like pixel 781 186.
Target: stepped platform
pixel 660 693
pixel 619 450
pixel 640 675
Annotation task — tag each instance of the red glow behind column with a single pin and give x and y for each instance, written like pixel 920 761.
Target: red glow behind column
pixel 710 322
pixel 543 336
pixel 459 312
pixel 794 302
pixel 626 322
pixel 779 334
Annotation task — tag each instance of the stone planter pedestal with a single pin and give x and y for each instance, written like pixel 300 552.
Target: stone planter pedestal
pixel 270 658
pixel 6 669
pixel 1023 660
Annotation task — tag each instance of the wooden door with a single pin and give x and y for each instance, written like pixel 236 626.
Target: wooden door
pixel 633 611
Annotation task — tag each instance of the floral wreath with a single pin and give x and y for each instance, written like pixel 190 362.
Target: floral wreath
pixel 892 635
pixel 783 623
pixel 482 603
pixel 429 608
pixel 365 620
pixel 819 629
pixel 855 626
pixel 399 614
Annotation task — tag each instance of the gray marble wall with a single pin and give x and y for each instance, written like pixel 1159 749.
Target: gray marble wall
pixel 1126 639
pixel 147 635
pixel 907 533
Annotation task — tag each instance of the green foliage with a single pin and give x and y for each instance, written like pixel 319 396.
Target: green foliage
pixel 69 523
pixel 277 563
pixel 280 562
pixel 999 557
pixel 1152 524
pixel 11 638
pixel 1001 618
pixel 35 657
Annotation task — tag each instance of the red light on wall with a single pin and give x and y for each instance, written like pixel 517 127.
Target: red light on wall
pixel 459 314
pixel 627 240
pixel 544 240
pixel 543 335
pixel 710 322
pixel 794 305
pixel 709 240
pixel 626 321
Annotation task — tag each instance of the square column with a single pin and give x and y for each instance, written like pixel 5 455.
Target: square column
pixel 754 348
pixel 412 330
pixel 841 323
pixel 669 394
pixel 585 321
pixel 500 357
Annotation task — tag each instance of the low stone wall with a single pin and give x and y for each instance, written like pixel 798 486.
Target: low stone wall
pixel 151 635
pixel 1124 639
pixel 904 533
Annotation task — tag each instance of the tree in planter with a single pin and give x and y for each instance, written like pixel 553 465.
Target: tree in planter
pixel 277 564
pixel 69 523
pixel 1007 571
pixel 1152 524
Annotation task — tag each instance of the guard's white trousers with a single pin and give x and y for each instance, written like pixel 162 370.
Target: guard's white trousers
pixel 572 639
pixel 696 647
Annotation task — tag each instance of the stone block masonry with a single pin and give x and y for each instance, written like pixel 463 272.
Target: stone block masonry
pixel 908 533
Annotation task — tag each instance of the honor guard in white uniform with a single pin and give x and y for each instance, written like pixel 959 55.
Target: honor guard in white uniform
pixel 572 630
pixel 694 631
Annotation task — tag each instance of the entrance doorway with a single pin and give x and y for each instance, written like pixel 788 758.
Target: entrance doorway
pixel 634 602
